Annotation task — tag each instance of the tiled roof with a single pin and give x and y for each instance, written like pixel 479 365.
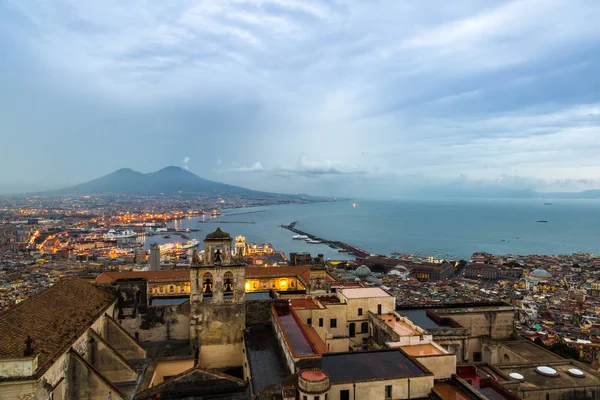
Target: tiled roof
pixel 276 272
pixel 218 235
pixel 54 318
pixel 176 274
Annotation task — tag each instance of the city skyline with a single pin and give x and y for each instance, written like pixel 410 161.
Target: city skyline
pixel 320 97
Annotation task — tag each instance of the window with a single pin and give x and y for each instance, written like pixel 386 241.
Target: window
pixel 255 285
pixel 547 396
pixel 345 394
pixel 388 391
pixel 228 284
pixel 171 289
pixel 352 329
pixel 379 309
pixel 304 398
pixel 477 356
pixel 364 327
pixel 207 284
pixel 333 323
pixel 360 311
pixel 309 321
pixel 321 322
pixel 507 357
pixel 316 398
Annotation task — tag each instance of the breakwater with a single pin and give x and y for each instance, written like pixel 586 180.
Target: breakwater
pixel 344 247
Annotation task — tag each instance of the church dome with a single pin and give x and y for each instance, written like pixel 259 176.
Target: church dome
pixel 218 235
pixel 363 271
pixel 540 274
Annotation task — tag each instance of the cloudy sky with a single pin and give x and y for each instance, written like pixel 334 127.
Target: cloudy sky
pixel 338 97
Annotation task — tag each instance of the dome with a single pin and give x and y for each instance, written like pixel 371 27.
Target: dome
pixel 218 235
pixel 363 271
pixel 540 273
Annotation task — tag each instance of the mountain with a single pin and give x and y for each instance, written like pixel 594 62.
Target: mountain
pixel 169 180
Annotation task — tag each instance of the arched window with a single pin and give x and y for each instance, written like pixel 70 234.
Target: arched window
pixel 507 357
pixel 228 284
pixel 207 284
pixel 171 289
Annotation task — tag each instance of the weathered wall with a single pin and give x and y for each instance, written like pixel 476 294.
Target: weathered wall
pixel 160 323
pixel 122 342
pixel 17 390
pixel 496 324
pixel 259 311
pixel 419 387
pixel 442 366
pixel 382 333
pixel 108 363
pixel 169 368
pixel 217 322
pixel 221 355
pixel 85 385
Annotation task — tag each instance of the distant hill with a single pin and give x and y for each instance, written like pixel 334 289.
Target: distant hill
pixel 169 180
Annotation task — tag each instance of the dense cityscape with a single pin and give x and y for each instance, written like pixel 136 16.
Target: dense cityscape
pixel 300 200
pixel 555 299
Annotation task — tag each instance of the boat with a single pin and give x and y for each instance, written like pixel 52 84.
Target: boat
pixel 191 244
pixel 311 241
pixel 547 204
pixel 167 236
pixel 114 234
pixel 300 237
pixel 541 220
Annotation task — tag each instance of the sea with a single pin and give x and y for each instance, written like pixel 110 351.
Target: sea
pixel 450 229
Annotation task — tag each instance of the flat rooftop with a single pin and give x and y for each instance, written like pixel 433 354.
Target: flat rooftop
pixel 296 337
pixel 421 350
pixel 357 366
pixel 400 327
pixel 363 293
pixel 266 362
pixel 420 318
pixel 530 351
pixel 450 392
pixel 533 380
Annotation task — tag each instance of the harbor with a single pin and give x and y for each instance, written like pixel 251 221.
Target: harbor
pixel 343 247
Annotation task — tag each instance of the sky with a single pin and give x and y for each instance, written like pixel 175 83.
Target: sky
pixel 337 97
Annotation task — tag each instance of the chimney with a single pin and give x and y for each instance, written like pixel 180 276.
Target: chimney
pixel 28 349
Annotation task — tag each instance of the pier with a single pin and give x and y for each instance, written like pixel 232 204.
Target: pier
pixel 331 243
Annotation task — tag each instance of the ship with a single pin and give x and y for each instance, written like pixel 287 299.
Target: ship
pixel 541 220
pixel 300 237
pixel 191 244
pixel 311 241
pixel 126 234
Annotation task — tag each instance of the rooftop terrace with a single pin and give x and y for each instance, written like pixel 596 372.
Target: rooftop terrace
pixel 292 329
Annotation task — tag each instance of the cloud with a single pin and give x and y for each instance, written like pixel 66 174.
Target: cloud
pixel 256 167
pixel 325 93
pixel 186 161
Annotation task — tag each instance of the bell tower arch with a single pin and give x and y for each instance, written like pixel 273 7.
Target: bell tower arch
pixel 218 304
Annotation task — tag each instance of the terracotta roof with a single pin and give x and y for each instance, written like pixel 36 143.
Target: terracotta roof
pixel 307 304
pixel 218 235
pixel 176 274
pixel 276 272
pixel 54 318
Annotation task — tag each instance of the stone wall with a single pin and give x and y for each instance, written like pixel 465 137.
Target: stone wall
pixel 382 333
pixel 159 323
pixel 259 311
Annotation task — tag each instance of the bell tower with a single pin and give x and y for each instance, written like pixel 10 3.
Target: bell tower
pixel 218 308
